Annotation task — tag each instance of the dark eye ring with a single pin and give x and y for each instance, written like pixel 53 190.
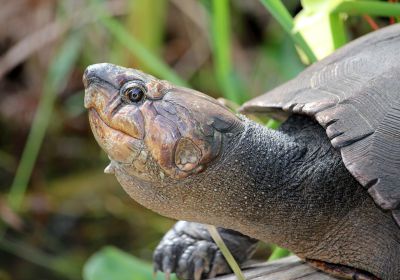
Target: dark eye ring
pixel 133 92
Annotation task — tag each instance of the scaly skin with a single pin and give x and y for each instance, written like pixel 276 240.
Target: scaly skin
pixel 183 155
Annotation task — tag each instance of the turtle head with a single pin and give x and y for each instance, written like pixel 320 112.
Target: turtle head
pixel 150 128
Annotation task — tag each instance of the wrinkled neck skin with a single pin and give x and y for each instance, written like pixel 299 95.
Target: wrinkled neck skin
pixel 290 190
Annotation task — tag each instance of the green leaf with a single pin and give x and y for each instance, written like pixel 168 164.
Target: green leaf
pixel 373 8
pixel 279 253
pixel 273 124
pixel 313 4
pixel 112 263
pixel 323 29
pixel 281 14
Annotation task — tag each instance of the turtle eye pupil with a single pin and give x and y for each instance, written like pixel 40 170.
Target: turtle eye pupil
pixel 135 94
pixel 132 92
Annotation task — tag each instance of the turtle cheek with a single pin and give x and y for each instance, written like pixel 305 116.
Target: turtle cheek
pixel 129 120
pixel 180 143
pixel 160 139
pixel 161 136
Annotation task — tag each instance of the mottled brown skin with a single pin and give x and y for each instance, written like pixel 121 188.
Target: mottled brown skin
pixel 185 156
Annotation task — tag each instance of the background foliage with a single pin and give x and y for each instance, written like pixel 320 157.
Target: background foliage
pixel 57 209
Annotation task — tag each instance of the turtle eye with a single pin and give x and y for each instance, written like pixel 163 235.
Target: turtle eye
pixel 133 92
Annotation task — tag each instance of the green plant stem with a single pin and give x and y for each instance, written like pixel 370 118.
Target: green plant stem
pixel 281 14
pixel 57 77
pixel 225 251
pixel 373 8
pixel 154 64
pixel 338 30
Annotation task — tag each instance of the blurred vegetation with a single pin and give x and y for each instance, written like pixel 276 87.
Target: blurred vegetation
pixel 56 207
pixel 111 263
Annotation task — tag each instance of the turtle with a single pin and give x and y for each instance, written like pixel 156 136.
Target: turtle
pixel 325 185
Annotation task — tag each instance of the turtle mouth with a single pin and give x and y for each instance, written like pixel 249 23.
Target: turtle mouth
pixel 121 147
pixel 94 116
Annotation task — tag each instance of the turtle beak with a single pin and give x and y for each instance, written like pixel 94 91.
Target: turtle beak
pixel 87 76
pixel 94 78
pixel 104 73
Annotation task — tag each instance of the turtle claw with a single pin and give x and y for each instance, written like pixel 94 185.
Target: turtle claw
pixel 219 265
pixel 167 264
pixel 189 251
pixel 195 261
pixel 190 257
pixel 199 269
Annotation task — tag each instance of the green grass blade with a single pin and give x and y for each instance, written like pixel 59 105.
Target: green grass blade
pixel 281 14
pixel 373 8
pixel 153 63
pixel 220 26
pixel 221 37
pixel 57 75
pixel 225 251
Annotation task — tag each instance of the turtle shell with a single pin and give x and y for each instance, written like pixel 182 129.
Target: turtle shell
pixel 355 95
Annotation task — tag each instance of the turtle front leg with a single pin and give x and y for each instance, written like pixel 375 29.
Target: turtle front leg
pixel 189 251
